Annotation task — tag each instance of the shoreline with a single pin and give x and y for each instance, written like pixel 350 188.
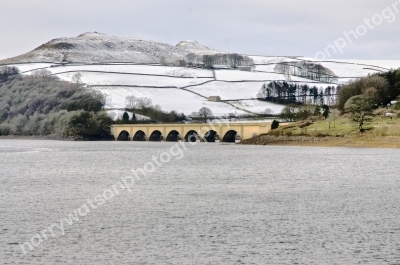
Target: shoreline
pixel 49 137
pixel 33 137
pixel 327 141
pixel 310 141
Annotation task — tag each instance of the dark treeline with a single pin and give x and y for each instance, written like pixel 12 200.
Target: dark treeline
pixel 44 105
pixel 232 59
pixel 287 93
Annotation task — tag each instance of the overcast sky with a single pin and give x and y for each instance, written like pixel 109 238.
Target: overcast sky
pixel 267 27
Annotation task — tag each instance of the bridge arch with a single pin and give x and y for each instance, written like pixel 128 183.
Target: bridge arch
pixel 192 136
pixel 230 136
pixel 139 136
pixel 210 136
pixel 124 136
pixel 173 136
pixel 156 136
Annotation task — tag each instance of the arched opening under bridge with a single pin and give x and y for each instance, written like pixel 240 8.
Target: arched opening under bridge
pixel 156 136
pixel 139 136
pixel 124 136
pixel 210 136
pixel 192 136
pixel 231 137
pixel 173 136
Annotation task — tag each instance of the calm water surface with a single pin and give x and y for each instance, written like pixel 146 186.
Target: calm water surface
pixel 219 204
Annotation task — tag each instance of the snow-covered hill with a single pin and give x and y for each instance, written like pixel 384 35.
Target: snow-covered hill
pixel 120 67
pixel 93 47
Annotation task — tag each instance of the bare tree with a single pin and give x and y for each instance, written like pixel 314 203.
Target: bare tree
pixel 194 114
pixel 163 61
pixel 77 78
pixel 190 57
pixel 333 116
pixel 208 61
pixel 41 73
pixel 205 113
pixel 131 102
pixel 143 103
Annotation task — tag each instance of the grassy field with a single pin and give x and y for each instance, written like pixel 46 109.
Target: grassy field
pixel 343 126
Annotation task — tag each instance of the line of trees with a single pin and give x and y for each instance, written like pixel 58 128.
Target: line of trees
pixel 232 59
pixel 307 70
pixel 144 106
pixel 203 114
pixel 287 93
pixel 42 104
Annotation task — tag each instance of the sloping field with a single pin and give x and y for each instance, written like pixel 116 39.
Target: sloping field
pixel 169 99
pixel 135 69
pixel 25 68
pixel 109 79
pixel 258 106
pixel 228 90
pixel 234 75
pixel 238 76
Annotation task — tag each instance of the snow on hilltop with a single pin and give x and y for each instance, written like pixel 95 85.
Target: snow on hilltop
pixel 93 47
pixel 194 46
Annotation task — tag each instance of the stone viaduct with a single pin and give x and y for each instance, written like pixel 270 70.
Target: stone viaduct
pixel 206 132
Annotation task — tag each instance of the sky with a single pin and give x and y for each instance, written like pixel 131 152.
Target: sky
pixel 252 27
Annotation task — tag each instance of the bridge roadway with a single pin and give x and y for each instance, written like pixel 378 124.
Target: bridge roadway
pixel 205 132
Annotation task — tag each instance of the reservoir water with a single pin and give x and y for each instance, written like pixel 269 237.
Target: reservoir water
pixel 197 204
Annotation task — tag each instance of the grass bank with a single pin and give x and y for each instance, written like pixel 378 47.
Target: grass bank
pixel 381 132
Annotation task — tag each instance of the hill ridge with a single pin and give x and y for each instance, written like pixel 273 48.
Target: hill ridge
pixel 95 47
